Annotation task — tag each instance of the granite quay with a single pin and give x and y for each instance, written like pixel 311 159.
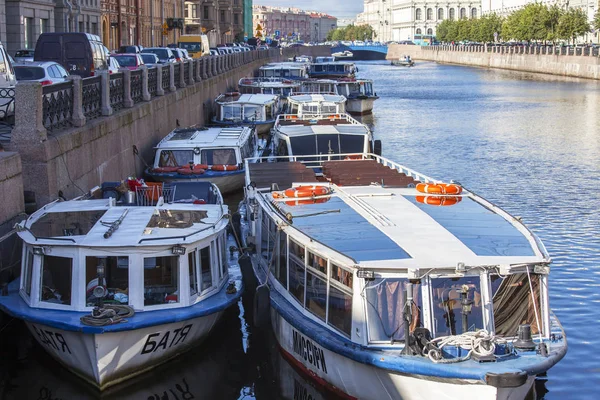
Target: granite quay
pixel 576 62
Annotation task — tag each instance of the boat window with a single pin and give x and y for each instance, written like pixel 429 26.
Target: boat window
pixel 219 157
pixel 269 112
pixel 232 112
pixel 318 263
pixel 115 279
pixel 205 270
pixel 293 109
pixel 193 270
pixel 175 158
pixel 386 304
pixel 57 276
pixel 340 309
pixel 161 280
pixel 328 109
pixel 296 279
pixel 216 257
pixel 282 148
pixel 451 316
pixel 316 295
pixel 354 89
pixel 513 303
pixel 281 271
pixel 252 112
pixel 72 223
pixel 310 109
pixel 297 251
pixel 268 232
pixel 341 275
pixel 223 245
pixel 318 68
pixel 304 145
pixel 28 273
pixel 328 144
pixel 352 143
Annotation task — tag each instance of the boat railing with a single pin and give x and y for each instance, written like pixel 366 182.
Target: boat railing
pixel 316 161
pixel 342 117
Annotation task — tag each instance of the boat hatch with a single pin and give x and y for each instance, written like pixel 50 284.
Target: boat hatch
pixel 483 231
pixel 70 223
pixel 184 134
pixel 176 219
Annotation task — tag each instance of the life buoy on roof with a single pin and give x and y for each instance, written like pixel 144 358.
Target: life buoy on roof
pixel 163 170
pixel 439 200
pixel 232 94
pixel 197 169
pixel 439 188
pixel 224 167
pixel 307 191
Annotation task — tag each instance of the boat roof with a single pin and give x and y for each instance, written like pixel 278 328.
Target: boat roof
pixel 269 82
pixel 259 99
pixel 184 138
pixel 285 65
pixel 316 98
pixel 380 226
pixel 343 80
pixel 292 125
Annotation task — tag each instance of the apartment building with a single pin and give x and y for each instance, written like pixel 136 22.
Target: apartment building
pixel 292 23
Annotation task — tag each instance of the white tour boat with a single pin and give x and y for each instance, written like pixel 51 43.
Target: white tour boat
pixel 257 110
pixel 284 70
pixel 113 284
pixel 358 92
pixel 381 283
pixel 281 87
pixel 327 67
pixel 206 155
pixel 315 104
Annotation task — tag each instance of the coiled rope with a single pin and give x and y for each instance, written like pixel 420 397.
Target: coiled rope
pixel 480 343
pixel 108 314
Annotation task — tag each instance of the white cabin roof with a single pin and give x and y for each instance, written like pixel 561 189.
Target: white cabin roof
pixel 301 130
pixel 284 65
pixel 316 98
pixel 185 138
pixel 258 99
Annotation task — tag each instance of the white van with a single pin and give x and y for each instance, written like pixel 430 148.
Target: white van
pixel 7 81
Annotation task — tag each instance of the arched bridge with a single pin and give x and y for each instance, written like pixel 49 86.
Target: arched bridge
pixel 366 52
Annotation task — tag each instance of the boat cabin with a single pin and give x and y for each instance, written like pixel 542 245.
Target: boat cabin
pixel 332 69
pixel 276 86
pixel 315 104
pixel 236 108
pixel 324 134
pixel 371 258
pixel 162 247
pixel 284 70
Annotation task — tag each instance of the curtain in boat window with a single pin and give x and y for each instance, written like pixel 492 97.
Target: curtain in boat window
pixel 175 158
pixel 513 303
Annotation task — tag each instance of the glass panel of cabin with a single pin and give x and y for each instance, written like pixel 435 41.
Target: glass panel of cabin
pixel 281 272
pixel 354 89
pixel 318 263
pixel 218 157
pixel 296 279
pixel 269 112
pixel 224 261
pixel 328 144
pixel 514 305
pixel 175 158
pixel 328 109
pixel 386 302
pixel 265 237
pixel 456 305
pixel 252 112
pixel 161 280
pixel 341 275
pixel 193 271
pixel 28 273
pixel 205 269
pixel 56 280
pixel 316 295
pixel 304 145
pixel 340 309
pixel 231 112
pixel 352 144
pixel 115 279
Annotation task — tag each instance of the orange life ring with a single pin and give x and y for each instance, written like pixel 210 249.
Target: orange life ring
pixel 232 94
pixel 307 191
pixel 246 81
pixel 309 201
pixel 224 167
pixel 190 171
pixel 162 170
pixel 439 188
pixel 353 157
pixel 439 200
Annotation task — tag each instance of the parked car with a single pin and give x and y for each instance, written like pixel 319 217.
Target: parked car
pixel 178 54
pixel 7 81
pixel 79 53
pixel 45 72
pixel 186 55
pixel 129 49
pixel 24 55
pixel 165 55
pixel 150 59
pixel 214 52
pixel 130 61
pixel 113 65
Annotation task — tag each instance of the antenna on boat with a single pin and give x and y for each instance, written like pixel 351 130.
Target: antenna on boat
pixel 113 226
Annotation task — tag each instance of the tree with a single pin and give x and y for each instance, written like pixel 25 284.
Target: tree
pixel 441 32
pixel 573 23
pixel 596 21
pixel 554 14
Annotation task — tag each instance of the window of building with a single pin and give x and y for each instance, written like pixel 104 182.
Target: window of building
pixel 28 26
pixel 419 31
pixel 473 12
pixel 194 10
pixel 222 19
pixel 429 13
pixel 236 18
pixel 430 31
pixel 56 280
pixel 451 14
pixel 161 280
pixel 463 13
pixel 115 279
pixel 418 14
pixel 186 13
pixel 440 14
pixel 205 12
pixel 44 26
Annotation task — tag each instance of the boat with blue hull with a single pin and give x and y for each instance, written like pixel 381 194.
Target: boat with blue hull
pixel 111 288
pixel 383 283
pixel 212 154
pixel 256 110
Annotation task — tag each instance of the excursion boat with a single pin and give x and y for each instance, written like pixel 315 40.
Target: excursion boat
pixel 342 55
pixel 284 70
pixel 359 93
pixel 315 104
pixel 126 277
pixel 301 59
pixel 206 155
pixel 324 134
pixel 327 67
pixel 405 61
pixel 281 87
pixel 257 110
pixel 380 282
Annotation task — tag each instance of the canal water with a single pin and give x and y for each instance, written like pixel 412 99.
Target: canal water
pixel 529 143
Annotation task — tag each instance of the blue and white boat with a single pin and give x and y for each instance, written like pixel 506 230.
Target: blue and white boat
pixel 111 288
pixel 279 86
pixel 315 104
pixel 285 70
pixel 381 283
pixel 327 67
pixel 213 154
pixel 359 93
pixel 256 110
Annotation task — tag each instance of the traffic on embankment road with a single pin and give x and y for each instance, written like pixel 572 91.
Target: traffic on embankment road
pixel 578 63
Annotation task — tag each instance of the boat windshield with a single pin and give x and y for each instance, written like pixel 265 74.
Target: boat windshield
pixel 252 112
pixel 386 305
pixel 232 112
pixel 514 304
pixel 218 157
pixel 175 158
pixel 456 305
pixel 327 144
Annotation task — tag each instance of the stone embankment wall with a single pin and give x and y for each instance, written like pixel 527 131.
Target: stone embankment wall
pixel 76 159
pixel 11 189
pixel 516 59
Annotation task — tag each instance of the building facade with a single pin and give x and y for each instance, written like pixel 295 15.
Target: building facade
pixel 292 23
pixel 221 20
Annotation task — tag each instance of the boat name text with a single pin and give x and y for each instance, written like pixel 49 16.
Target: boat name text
pixel 177 336
pixel 306 349
pixel 54 340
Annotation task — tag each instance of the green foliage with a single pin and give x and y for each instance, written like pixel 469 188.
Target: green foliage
pixel 596 22
pixel 352 32
pixel 573 23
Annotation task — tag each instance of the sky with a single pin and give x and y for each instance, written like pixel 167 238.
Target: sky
pixel 337 8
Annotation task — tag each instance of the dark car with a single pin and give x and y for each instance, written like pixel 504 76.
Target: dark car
pixel 129 49
pixel 165 55
pixel 79 53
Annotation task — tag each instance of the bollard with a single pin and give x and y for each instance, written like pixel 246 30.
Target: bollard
pixel 78 118
pixel 159 88
pixel 29 127
pixel 172 86
pixel 127 100
pixel 145 92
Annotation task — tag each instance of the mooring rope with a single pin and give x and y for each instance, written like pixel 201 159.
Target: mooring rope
pixel 108 314
pixel 480 343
